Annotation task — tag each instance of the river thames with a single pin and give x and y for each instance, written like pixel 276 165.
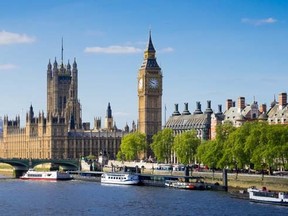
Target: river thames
pixel 18 197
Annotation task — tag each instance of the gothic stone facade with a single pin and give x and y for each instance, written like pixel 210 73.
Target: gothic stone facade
pixel 61 134
pixel 149 95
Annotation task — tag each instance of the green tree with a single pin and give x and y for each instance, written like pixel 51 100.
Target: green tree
pixel 216 150
pixel 91 157
pixel 185 146
pixel 132 146
pixel 162 145
pixel 255 143
pixel 223 131
pixel 283 149
pixel 207 153
pixel 234 154
pixel 275 153
pixel 211 152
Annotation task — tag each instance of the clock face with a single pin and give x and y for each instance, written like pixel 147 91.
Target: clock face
pixel 153 83
pixel 140 83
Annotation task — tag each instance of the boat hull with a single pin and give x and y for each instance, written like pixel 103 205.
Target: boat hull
pixel 270 202
pixel 46 179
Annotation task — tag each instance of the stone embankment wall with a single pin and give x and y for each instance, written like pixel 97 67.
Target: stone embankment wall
pixel 242 181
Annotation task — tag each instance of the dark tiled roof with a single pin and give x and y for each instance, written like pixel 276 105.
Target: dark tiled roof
pixel 150 63
pixel 263 116
pixel 188 122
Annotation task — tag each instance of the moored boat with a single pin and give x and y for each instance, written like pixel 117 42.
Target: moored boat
pixel 31 174
pixel 265 196
pixel 120 178
pixel 193 184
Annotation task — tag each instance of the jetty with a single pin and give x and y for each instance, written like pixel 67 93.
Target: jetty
pixel 154 180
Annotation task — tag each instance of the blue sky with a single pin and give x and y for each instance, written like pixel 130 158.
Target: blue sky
pixel 208 50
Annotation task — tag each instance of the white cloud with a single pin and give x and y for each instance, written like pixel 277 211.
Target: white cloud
pixel 166 50
pixel 12 38
pixel 258 22
pixel 115 49
pixel 7 67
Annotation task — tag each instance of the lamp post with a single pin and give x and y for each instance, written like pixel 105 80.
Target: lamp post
pixel 213 171
pixel 262 166
pixel 236 167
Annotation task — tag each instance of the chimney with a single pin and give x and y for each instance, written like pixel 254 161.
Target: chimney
pixel 241 103
pixel 186 111
pixel 263 108
pixel 229 104
pixel 176 112
pixel 282 100
pixel 198 108
pixel 220 109
pixel 209 110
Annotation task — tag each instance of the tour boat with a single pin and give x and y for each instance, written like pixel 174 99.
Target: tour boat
pixel 49 175
pixel 265 196
pixel 120 178
pixel 186 185
pixel 194 183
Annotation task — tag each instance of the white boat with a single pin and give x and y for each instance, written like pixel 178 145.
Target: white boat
pixel 31 174
pixel 194 183
pixel 265 196
pixel 120 178
pixel 186 185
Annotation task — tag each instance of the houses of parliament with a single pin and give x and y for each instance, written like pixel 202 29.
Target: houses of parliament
pixel 61 134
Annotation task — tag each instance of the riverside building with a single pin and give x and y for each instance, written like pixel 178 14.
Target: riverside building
pixel 61 134
pixel 205 123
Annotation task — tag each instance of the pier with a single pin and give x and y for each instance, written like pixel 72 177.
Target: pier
pixel 154 180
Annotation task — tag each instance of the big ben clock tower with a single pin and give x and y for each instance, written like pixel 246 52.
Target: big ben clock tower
pixel 149 94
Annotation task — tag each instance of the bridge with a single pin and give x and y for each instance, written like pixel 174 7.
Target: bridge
pixel 22 165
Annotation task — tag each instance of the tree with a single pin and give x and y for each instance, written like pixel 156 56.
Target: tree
pixel 132 146
pixel 207 153
pixel 254 143
pixel 275 153
pixel 234 154
pixel 91 157
pixel 162 145
pixel 214 149
pixel 185 146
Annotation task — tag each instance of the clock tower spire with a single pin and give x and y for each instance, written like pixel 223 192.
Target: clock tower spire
pixel 149 94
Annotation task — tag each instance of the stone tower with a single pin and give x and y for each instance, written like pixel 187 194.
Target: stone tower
pixel 149 93
pixel 62 93
pixel 109 119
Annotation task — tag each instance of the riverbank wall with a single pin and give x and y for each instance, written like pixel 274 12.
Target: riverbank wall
pixel 243 181
pixel 235 181
pixel 240 181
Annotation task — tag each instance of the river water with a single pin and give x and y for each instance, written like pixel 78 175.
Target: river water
pixel 18 197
